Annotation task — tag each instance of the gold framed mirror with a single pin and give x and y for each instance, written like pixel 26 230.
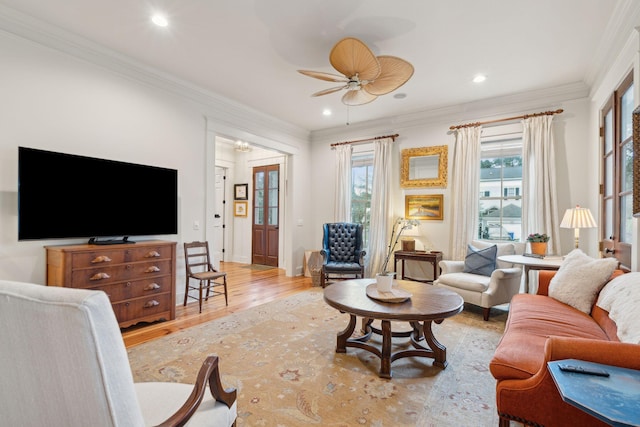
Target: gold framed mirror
pixel 424 167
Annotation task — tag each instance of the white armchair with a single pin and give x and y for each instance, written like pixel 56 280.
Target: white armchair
pixel 484 291
pixel 63 363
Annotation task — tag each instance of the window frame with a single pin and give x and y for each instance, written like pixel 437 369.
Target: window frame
pixel 500 195
pixel 611 230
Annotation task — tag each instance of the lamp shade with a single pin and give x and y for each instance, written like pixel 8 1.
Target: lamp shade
pixel 578 218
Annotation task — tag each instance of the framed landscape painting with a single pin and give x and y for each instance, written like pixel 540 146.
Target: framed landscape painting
pixel 426 207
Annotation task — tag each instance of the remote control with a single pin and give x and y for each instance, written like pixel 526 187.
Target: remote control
pixel 583 370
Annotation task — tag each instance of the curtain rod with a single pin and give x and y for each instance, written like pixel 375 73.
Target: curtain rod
pixel 524 116
pixel 365 140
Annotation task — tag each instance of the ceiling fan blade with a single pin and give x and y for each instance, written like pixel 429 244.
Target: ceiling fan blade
pixel 324 76
pixel 328 91
pixel 350 56
pixel 357 97
pixel 395 72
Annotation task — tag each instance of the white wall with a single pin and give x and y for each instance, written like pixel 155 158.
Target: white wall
pixel 54 101
pixel 570 134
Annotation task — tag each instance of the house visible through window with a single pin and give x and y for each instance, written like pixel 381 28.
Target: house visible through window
pixel 362 184
pixel 500 202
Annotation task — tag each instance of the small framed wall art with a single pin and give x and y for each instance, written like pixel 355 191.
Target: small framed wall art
pixel 241 192
pixel 426 206
pixel 240 208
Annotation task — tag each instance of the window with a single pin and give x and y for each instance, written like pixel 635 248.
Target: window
pixel 617 166
pixel 362 184
pixel 500 202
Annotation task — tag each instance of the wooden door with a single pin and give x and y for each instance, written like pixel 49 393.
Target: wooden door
pixel 266 215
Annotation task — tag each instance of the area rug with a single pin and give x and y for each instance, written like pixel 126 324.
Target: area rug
pixel 281 357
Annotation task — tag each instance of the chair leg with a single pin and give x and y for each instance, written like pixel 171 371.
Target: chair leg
pixel 200 296
pixel 485 313
pixel 322 279
pixel 186 291
pixel 206 298
pixel 226 300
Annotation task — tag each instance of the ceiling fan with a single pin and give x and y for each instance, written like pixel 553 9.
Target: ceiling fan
pixel 365 76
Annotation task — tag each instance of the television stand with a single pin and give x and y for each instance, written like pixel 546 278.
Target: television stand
pixel 95 241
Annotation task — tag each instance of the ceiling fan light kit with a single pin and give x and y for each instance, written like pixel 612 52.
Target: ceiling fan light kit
pixel 364 75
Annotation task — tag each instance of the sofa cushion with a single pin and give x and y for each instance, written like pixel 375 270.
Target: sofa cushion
pixel 532 319
pixel 472 282
pixel 580 278
pixel 480 261
pixel 621 298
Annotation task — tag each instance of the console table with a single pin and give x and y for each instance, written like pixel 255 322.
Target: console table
pixel 430 257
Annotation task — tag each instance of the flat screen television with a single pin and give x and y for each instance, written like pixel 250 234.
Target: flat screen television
pixel 69 196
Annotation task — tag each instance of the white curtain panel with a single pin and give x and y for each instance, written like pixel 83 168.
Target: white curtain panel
pixel 464 190
pixel 342 202
pixel 381 215
pixel 540 201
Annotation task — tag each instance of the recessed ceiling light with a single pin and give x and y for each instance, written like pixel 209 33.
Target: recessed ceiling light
pixel 159 20
pixel 400 95
pixel 326 112
pixel 479 78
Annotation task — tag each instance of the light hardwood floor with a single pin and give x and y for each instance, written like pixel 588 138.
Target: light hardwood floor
pixel 247 286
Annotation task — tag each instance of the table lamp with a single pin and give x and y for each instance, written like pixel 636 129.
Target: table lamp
pixel 578 218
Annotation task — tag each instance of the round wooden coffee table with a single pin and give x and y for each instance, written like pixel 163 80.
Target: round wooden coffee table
pixel 427 304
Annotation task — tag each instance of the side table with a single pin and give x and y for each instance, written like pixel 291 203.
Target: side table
pixel 430 257
pixel 532 263
pixel 614 399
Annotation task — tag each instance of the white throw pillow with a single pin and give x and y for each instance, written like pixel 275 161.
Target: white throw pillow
pixel 621 298
pixel 580 278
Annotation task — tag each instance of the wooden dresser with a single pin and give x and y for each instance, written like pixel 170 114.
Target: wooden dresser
pixel 139 278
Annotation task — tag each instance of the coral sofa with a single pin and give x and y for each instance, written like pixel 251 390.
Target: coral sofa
pixel 541 328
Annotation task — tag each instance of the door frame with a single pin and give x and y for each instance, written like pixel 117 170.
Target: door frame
pixel 282 155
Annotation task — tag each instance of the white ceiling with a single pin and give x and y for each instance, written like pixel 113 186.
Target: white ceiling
pixel 249 50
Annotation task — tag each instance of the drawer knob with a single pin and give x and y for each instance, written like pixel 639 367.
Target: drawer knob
pixel 152 269
pixel 100 259
pixel 128 285
pixel 151 303
pixel 152 287
pixel 152 254
pixel 100 276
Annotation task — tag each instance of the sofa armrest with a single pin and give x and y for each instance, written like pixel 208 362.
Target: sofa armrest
pixel 544 279
pixel 537 399
pixel 449 266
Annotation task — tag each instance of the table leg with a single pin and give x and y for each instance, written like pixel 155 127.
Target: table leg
pixel 385 358
pixel 526 279
pixel 341 344
pixel 439 350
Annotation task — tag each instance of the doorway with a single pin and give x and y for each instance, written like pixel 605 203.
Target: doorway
pixel 265 215
pixel 218 249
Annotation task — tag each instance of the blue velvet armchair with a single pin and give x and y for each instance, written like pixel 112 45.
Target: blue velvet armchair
pixel 342 253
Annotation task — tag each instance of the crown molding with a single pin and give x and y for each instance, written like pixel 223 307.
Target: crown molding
pixel 620 27
pixel 17 24
pixel 465 112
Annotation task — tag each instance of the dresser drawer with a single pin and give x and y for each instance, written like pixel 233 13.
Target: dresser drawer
pixel 141 307
pixel 91 277
pixel 136 288
pixel 111 257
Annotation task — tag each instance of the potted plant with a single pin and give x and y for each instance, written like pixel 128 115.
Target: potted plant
pixel 538 243
pixel 384 279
